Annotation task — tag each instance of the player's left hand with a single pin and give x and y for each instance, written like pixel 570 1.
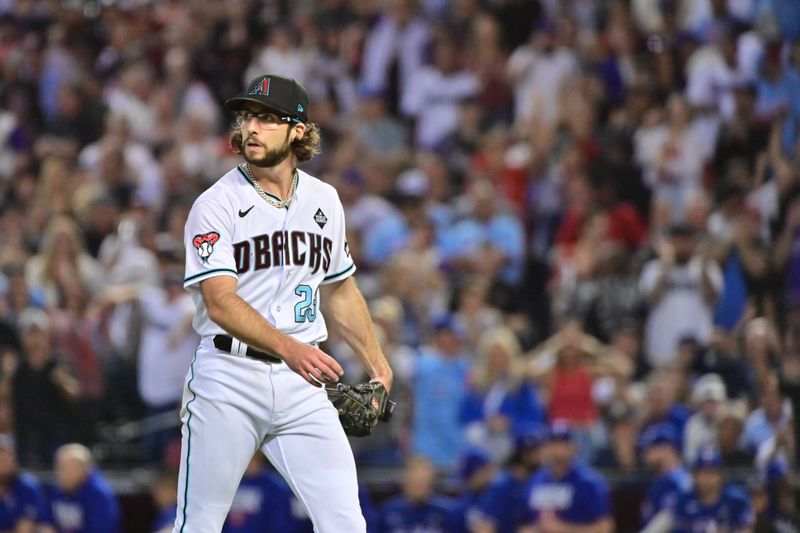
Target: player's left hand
pixel 361 406
pixel 386 380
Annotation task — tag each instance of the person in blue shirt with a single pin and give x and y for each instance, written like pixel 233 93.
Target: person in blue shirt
pixel 660 448
pixel 501 508
pixel 488 238
pixel 711 505
pixel 565 495
pixel 22 502
pixel 264 503
pixel 662 406
pixel 475 472
pixel 81 500
pixel 498 399
pixel 165 496
pixel 440 376
pixel 418 509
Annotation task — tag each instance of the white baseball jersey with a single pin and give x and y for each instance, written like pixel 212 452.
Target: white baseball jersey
pixel 280 256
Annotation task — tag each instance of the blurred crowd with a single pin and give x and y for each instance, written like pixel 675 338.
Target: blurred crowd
pixel 581 211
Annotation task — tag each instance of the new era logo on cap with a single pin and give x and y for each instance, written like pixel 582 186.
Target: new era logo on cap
pixel 274 92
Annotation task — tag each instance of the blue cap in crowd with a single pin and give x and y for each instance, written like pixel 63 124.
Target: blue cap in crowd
pixel 707 457
pixel 659 434
pixel 559 430
pixel 776 469
pixel 472 461
pixel 529 436
pixel 448 322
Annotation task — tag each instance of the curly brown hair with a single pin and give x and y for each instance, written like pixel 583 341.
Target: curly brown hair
pixel 303 149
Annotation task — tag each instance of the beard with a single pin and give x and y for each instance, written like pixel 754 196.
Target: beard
pixel 272 157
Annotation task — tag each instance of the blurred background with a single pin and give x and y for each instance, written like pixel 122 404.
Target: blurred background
pixel 581 210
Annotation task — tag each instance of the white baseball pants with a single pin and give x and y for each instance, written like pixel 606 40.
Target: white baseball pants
pixel 233 406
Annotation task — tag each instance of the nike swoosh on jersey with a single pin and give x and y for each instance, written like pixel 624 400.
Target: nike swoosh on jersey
pixel 244 213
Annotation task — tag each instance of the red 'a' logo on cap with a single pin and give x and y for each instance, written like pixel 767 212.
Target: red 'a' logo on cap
pixel 262 87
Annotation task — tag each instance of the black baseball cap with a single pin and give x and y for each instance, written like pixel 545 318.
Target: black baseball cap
pixel 275 92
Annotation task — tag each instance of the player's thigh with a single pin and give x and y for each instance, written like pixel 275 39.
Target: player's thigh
pixel 218 441
pixel 316 460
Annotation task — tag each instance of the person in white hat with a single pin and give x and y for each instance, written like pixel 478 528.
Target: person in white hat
pixel 708 394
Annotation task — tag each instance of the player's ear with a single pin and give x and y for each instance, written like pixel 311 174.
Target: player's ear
pixel 299 131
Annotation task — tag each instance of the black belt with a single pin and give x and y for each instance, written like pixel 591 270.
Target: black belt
pixel 224 342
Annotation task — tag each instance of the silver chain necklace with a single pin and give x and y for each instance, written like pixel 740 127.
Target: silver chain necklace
pixel 280 204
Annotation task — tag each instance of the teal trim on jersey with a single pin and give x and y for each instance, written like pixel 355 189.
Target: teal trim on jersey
pixel 212 271
pixel 189 441
pixel 239 168
pixel 342 273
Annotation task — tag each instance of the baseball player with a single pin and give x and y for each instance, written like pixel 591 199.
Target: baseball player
pixel 22 500
pixel 711 505
pixel 502 507
pixel 565 495
pixel 661 451
pixel 419 508
pixel 81 501
pixel 265 249
pixel 261 503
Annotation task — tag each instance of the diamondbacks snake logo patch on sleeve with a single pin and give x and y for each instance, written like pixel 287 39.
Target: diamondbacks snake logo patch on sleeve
pixel 204 244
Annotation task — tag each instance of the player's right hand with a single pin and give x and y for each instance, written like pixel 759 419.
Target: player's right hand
pixel 313 365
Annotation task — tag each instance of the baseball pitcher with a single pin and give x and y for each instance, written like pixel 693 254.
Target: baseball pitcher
pixel 265 247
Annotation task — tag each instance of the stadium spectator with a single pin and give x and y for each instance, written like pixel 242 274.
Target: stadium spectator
pixel 708 397
pixel 74 326
pixel 165 497
pixel 772 416
pixel 418 507
pixel 62 261
pixel 394 51
pixel 23 506
pixel 681 287
pixel 500 401
pixel 16 298
pixel 437 91
pixel 722 357
pixel 439 387
pixel 567 365
pixel 375 129
pixel 565 493
pixel 745 264
pixel 474 311
pixel 166 346
pixel 786 255
pixel 672 155
pixel 487 241
pixel 730 424
pixel 81 499
pixel 620 452
pixel 661 403
pixel 538 71
pixel 42 390
pixel 778 509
